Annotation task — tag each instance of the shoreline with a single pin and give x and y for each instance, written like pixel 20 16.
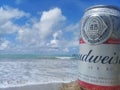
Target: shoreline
pixel 47 86
pixel 73 85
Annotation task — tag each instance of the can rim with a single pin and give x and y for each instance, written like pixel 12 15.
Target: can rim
pixel 104 6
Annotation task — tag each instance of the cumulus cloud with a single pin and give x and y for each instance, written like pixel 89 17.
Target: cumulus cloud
pixel 49 21
pixel 56 40
pixel 7 15
pixel 74 29
pixel 66 50
pixel 8 28
pixel 25 36
pixel 4 44
pixel 48 25
pixel 48 33
pixel 57 35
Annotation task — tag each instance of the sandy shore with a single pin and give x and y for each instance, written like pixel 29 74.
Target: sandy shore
pixel 50 86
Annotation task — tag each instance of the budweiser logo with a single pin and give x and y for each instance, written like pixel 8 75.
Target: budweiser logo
pixel 91 58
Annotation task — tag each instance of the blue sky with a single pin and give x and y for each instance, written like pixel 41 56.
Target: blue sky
pixel 43 26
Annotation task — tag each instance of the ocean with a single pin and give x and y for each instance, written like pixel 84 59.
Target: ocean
pixel 24 69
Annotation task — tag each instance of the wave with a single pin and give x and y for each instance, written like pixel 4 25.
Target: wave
pixel 64 57
pixel 24 72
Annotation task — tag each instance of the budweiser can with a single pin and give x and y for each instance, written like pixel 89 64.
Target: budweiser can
pixel 99 54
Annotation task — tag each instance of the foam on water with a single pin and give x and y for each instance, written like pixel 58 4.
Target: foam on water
pixel 22 72
pixel 64 57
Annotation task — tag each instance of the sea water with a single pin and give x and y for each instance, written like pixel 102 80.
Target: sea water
pixel 20 70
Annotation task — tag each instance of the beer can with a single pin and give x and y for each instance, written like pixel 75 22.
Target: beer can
pixel 99 48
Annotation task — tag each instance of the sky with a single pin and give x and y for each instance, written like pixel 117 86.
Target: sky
pixel 43 26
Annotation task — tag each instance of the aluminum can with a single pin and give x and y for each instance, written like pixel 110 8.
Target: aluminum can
pixel 99 48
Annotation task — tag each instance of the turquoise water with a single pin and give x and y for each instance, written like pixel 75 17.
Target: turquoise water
pixel 33 56
pixel 24 56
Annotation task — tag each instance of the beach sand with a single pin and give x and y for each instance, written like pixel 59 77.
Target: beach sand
pixel 50 86
pixel 71 86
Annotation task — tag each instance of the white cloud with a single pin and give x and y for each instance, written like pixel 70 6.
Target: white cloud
pixel 66 50
pixel 4 44
pixel 7 15
pixel 28 37
pixel 54 43
pixel 73 27
pixel 49 21
pixel 73 43
pixel 75 30
pixel 56 40
pixel 48 33
pixel 57 35
pixel 48 25
pixel 54 14
pixel 8 28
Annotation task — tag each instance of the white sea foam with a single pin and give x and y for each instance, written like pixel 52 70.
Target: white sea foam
pixel 26 72
pixel 64 57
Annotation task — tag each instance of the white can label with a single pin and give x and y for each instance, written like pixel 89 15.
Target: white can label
pixel 100 64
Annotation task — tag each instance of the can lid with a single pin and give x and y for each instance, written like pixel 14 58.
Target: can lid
pixel 104 6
